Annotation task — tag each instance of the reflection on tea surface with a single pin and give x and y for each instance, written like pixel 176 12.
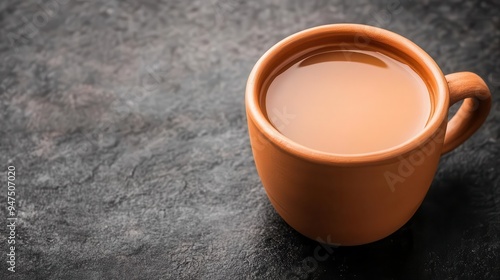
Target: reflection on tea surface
pixel 348 102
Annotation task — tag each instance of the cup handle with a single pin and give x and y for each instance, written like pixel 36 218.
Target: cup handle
pixel 473 112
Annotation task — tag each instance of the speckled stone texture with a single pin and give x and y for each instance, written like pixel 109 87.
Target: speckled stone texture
pixel 125 122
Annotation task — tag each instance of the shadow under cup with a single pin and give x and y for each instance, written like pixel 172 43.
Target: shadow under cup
pixel 347 199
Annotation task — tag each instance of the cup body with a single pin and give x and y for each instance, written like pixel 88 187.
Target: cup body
pixel 346 199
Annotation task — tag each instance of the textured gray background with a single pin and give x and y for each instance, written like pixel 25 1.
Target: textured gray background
pixel 125 122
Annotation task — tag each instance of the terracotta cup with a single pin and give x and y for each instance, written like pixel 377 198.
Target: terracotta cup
pixel 357 199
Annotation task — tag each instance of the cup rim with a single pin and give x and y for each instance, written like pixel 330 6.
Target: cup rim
pixel 441 104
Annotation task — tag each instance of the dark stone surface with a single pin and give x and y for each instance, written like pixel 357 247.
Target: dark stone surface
pixel 125 122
